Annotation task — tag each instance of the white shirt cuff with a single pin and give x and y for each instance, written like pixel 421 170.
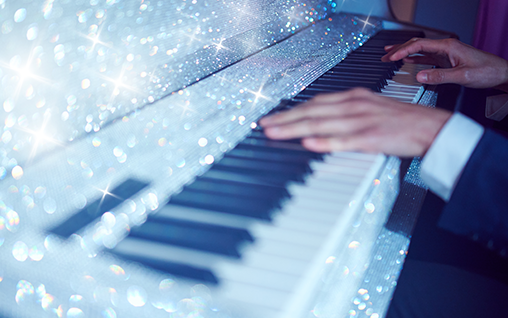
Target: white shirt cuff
pixel 449 153
pixel 497 107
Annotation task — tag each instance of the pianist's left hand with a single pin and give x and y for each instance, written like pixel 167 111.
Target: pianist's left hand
pixel 359 120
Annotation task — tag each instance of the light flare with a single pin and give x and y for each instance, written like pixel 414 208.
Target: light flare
pixel 219 46
pixel 105 192
pixel 40 138
pixel 366 21
pixel 258 94
pixel 96 39
pixel 25 73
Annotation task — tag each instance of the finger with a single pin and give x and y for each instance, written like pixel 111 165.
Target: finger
pixel 441 76
pixel 317 127
pixel 363 141
pixel 414 46
pixel 428 60
pixel 321 105
pixel 335 143
pixel 307 110
pixel 389 48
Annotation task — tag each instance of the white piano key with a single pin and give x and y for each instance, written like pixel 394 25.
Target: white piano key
pixel 338 186
pixel 305 226
pixel 255 295
pixel 321 166
pixel 205 216
pixel 276 263
pixel 312 194
pixel 250 310
pixel 308 212
pixel 328 176
pixel 284 232
pixel 160 251
pixel 357 156
pixel 283 249
pixel 396 93
pixel 348 162
pixel 319 204
pixel 256 277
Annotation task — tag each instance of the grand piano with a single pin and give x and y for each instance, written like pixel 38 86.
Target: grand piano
pixel 135 181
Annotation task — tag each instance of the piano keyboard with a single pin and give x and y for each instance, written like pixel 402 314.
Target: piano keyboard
pixel 260 223
pixel 255 228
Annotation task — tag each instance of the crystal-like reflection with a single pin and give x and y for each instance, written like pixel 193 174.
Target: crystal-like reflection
pixel 75 313
pixel 20 251
pixel 24 290
pixel 109 313
pixel 136 296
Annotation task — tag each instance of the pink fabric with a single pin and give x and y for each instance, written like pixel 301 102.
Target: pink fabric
pixel 491 32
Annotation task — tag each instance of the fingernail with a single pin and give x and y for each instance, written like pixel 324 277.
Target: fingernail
pixel 388 47
pixel 423 77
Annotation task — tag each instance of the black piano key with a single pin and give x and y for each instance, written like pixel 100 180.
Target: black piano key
pixel 347 81
pixel 238 189
pixel 325 82
pixel 387 65
pixel 95 209
pixel 198 236
pixel 261 135
pixel 311 92
pixel 266 154
pixel 395 64
pixel 248 207
pixel 352 63
pixel 258 134
pixel 299 100
pixel 348 69
pixel 330 88
pixel 239 177
pixel 371 50
pixel 277 146
pixel 390 73
pixel 270 176
pixel 376 58
pixel 264 165
pixel 177 269
pixel 351 76
pixel 366 53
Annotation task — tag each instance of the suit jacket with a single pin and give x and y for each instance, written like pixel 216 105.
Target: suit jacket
pixel 478 207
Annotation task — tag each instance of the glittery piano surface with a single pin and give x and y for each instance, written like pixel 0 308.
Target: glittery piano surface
pixel 146 95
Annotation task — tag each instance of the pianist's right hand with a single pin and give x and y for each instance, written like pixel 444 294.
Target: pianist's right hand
pixel 358 120
pixel 459 63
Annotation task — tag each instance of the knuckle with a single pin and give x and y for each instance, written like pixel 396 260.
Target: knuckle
pixel 451 42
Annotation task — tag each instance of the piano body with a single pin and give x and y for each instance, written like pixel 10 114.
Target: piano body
pixel 135 182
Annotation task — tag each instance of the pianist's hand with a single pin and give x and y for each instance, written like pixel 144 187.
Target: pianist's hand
pixel 460 63
pixel 358 120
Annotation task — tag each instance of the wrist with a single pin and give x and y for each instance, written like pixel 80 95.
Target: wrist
pixel 504 72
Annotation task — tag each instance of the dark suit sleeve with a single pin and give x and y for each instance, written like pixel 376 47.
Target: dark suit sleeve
pixel 478 207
